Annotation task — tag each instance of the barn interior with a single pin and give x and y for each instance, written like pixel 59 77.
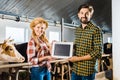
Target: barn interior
pixel 15 18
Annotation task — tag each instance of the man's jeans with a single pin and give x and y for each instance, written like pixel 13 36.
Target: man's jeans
pixel 76 77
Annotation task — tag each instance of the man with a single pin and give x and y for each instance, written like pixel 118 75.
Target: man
pixel 88 43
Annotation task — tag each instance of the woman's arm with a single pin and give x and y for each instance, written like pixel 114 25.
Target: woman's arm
pixel 31 51
pixel 44 58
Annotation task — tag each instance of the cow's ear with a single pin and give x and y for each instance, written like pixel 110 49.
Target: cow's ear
pixel 7 40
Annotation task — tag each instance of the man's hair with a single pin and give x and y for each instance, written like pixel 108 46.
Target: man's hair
pixel 90 7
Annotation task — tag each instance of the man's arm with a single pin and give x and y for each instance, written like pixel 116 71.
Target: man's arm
pixel 76 58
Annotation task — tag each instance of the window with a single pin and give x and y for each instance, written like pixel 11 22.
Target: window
pixel 18 34
pixel 109 39
pixel 54 36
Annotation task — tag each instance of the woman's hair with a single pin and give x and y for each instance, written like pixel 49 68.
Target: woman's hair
pixel 43 36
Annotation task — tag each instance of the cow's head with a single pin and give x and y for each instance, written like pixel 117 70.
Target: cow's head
pixel 8 51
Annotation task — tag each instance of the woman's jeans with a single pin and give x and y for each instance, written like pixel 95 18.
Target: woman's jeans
pixel 40 73
pixel 77 77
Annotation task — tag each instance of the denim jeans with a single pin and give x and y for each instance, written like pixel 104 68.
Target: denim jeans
pixel 77 77
pixel 40 73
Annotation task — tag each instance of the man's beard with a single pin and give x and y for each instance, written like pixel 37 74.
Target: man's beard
pixel 84 21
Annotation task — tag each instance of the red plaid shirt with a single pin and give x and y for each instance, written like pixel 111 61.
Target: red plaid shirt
pixel 33 55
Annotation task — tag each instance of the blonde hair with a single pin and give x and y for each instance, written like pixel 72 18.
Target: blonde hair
pixel 43 36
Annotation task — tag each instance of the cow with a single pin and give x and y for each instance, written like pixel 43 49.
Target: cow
pixel 8 52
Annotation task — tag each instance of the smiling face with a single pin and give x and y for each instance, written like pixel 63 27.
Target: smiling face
pixel 84 15
pixel 39 29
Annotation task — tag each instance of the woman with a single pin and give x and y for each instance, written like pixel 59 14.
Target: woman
pixel 38 51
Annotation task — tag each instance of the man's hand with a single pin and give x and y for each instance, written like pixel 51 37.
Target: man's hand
pixel 73 59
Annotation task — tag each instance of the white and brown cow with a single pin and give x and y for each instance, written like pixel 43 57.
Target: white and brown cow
pixel 8 52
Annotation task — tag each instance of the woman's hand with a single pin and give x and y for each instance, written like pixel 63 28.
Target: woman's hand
pixel 45 58
pixel 49 57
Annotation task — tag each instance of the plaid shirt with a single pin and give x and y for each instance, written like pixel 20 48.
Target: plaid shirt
pixel 88 41
pixel 33 55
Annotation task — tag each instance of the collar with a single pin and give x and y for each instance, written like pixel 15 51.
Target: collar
pixel 89 24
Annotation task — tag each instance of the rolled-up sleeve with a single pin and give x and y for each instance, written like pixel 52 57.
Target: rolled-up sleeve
pixel 30 51
pixel 97 44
